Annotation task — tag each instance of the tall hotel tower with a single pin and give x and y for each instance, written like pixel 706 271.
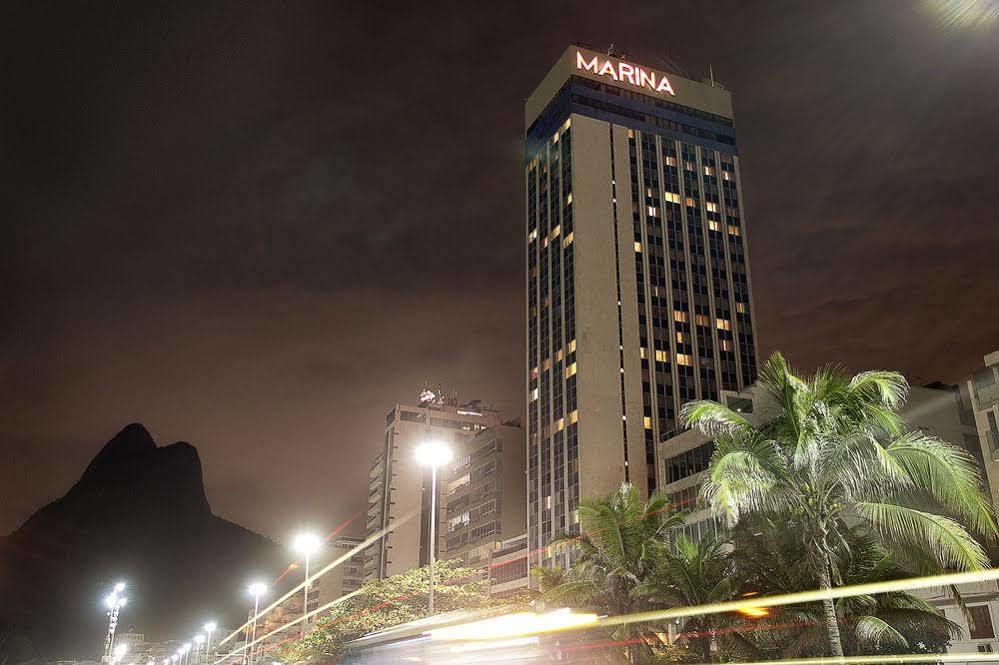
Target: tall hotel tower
pixel 638 290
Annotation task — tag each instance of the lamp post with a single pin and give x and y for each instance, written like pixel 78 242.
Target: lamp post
pixel 198 639
pixel 432 454
pixel 306 544
pixel 114 602
pixel 209 628
pixel 184 651
pixel 256 589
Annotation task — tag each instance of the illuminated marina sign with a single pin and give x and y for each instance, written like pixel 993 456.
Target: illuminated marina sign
pixel 624 72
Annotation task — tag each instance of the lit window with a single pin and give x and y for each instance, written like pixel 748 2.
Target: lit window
pixel 648 422
pixel 734 230
pixel 711 207
pixel 571 346
pixel 714 226
pixel 558 355
pixel 546 364
pixel 568 199
pixel 555 138
pixel 532 236
pixel 689 166
pixel 681 337
pixel 560 424
pixel 671 161
pixel 638 246
pixel 662 356
pixel 573 417
pixel 568 122
pixel 534 394
pixel 702 320
pixel 726 344
pixel 684 359
pixel 631 133
pixel 723 324
pixel 556 232
pixel 726 175
pixel 709 170
pixel 740 307
pixel 653 211
pixel 641 352
pixel 672 197
pixel 689 201
pixel 567 240
pixel 679 316
pixel 570 370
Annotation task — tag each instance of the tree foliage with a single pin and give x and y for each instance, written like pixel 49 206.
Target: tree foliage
pixel 381 604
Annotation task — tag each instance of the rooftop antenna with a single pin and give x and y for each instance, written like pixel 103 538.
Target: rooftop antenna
pixel 711 75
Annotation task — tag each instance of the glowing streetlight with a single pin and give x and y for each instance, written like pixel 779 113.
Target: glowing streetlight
pixel 184 650
pixel 257 589
pixel 432 454
pixel 198 640
pixel 114 601
pixel 306 544
pixel 209 628
pixel 118 653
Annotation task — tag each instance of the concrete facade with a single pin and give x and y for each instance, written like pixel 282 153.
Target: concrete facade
pixel 638 288
pixel 483 497
pixel 983 389
pixel 399 488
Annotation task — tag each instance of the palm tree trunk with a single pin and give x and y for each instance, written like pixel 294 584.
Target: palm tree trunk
pixel 829 610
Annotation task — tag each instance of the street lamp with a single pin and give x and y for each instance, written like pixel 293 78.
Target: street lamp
pixel 119 652
pixel 257 589
pixel 184 650
pixel 114 601
pixel 199 639
pixel 209 628
pixel 306 544
pixel 432 454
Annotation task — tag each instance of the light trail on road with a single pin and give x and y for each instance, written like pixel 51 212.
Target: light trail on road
pixel 350 553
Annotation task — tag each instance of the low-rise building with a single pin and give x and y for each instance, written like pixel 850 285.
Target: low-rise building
pixel 983 388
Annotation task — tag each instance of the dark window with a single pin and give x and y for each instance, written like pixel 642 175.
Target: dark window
pixel 981 622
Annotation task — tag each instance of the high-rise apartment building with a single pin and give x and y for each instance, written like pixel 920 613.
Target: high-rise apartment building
pixel 483 500
pixel 399 488
pixel 638 288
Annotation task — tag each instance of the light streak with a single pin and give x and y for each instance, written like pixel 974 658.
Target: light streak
pixel 291 623
pixel 758 602
pixel 971 657
pixel 350 553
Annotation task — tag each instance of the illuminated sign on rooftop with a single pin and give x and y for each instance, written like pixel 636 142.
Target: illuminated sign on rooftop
pixel 623 72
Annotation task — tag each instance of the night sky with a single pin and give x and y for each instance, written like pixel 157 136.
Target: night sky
pixel 257 226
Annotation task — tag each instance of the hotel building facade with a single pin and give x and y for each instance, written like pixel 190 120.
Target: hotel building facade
pixel 638 286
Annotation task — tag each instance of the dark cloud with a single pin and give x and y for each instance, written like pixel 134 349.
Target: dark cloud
pixel 255 227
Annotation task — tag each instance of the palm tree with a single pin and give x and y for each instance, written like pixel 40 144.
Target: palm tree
pixel 621 540
pixel 693 572
pixel 837 452
pixel 771 559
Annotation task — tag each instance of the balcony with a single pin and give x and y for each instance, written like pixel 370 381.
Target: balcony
pixel 987 396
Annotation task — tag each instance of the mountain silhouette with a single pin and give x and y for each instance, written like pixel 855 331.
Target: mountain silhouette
pixel 139 514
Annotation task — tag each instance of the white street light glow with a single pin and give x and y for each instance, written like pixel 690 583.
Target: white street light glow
pixel 121 650
pixel 209 627
pixel 306 543
pixel 257 589
pixel 433 453
pixel 199 638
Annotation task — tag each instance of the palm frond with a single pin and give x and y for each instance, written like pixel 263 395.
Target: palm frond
pixel 875 633
pixel 947 540
pixel 712 418
pixel 948 474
